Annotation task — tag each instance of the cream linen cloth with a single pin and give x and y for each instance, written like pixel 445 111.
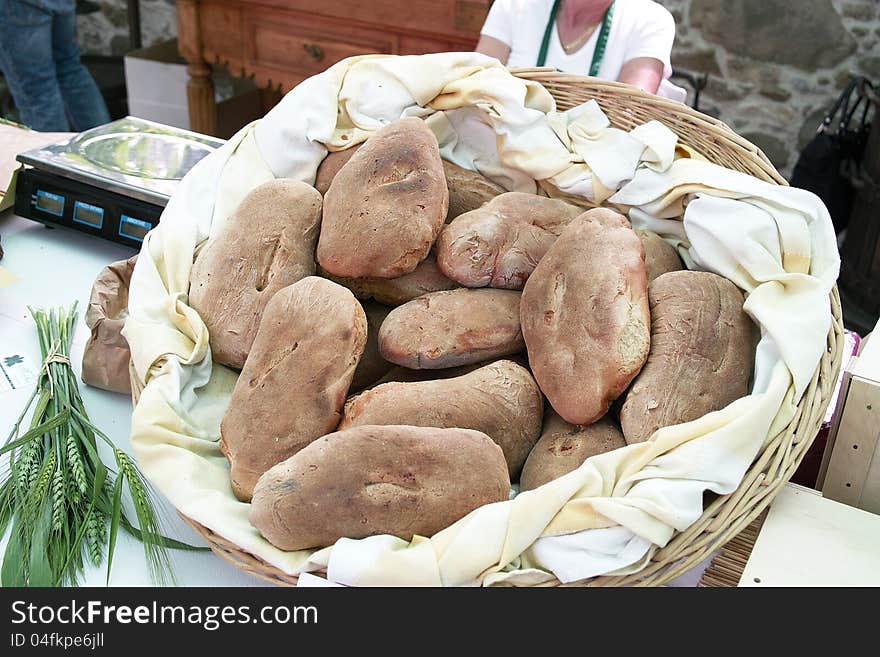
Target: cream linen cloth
pixel 611 514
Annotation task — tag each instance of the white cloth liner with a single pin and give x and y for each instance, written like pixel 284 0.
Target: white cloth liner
pixel 611 514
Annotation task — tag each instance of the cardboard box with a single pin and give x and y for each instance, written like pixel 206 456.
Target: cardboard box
pixel 851 465
pixel 156 80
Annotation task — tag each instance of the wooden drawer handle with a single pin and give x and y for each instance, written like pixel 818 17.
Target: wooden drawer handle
pixel 314 51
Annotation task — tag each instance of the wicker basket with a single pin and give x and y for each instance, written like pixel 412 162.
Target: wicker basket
pixel 726 515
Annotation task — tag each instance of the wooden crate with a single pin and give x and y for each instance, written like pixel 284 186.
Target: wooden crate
pixel 850 471
pixel 808 540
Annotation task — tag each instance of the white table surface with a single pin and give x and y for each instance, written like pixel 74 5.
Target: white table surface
pixel 56 267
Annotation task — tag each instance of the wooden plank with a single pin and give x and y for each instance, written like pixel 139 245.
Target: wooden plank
pixel 461 19
pixel 855 445
pixel 200 87
pixel 808 540
pixel 222 29
pixel 306 45
pixel 419 45
pixel 281 42
pixel 189 37
pixel 835 427
pixel 870 498
pixel 727 566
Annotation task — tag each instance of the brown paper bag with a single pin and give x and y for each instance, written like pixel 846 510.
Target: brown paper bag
pixel 106 357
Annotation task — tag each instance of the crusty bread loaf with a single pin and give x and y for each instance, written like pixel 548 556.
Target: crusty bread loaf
pixel 293 386
pixel 386 205
pixel 371 366
pixel 584 314
pixel 660 257
pixel 499 399
pixel 702 350
pixel 331 165
pixel 564 447
pixel 447 329
pixel 468 190
pixel 399 374
pixel 426 277
pixel 406 375
pixel 400 480
pixel 499 244
pixel 267 244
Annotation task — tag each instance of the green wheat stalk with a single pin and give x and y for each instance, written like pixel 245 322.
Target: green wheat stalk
pixel 56 493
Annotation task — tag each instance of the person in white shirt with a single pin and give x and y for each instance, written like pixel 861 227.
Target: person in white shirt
pixel 625 40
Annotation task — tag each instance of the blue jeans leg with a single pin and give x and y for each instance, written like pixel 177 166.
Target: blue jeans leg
pixel 84 102
pixel 27 63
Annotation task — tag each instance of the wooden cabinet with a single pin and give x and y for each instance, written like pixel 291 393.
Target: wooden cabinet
pixel 281 42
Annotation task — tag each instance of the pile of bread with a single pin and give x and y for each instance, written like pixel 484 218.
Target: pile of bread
pixel 456 339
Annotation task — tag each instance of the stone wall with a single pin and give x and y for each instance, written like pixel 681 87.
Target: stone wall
pixel 776 65
pixel 105 32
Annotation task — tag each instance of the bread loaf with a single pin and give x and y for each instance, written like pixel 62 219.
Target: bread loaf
pixel 584 314
pixel 468 190
pixel 702 350
pixel 564 447
pixel 499 244
pixel 426 277
pixel 371 366
pixel 386 205
pixel 660 257
pixel 267 244
pixel 399 374
pixel 447 329
pixel 399 480
pixel 293 386
pixel 331 165
pixel 499 399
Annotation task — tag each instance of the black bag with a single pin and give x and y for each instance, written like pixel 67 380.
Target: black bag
pixel 826 165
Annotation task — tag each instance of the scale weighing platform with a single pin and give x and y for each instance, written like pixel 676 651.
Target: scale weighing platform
pixel 112 181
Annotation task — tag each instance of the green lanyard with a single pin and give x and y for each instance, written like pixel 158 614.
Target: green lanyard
pixel 601 42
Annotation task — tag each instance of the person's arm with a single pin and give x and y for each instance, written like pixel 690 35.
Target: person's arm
pixel 648 50
pixel 496 35
pixel 494 48
pixel 643 72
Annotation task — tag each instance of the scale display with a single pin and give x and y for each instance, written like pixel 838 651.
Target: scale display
pixel 49 202
pixel 132 228
pixel 88 214
pixel 57 201
pixel 112 181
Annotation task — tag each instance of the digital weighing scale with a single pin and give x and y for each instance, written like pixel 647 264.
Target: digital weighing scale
pixel 112 181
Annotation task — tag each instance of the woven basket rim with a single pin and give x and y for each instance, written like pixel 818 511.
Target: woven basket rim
pixel 727 515
pixel 602 89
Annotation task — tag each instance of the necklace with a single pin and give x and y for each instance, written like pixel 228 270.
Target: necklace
pixel 601 41
pixel 578 43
